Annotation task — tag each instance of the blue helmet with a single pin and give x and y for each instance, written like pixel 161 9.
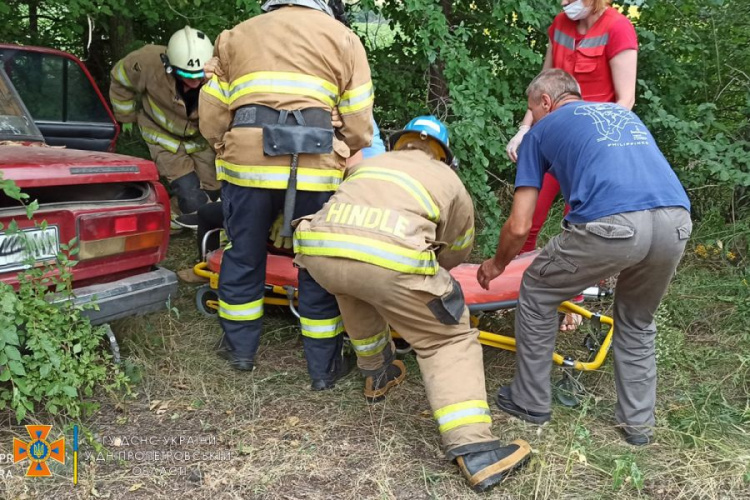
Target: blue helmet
pixel 427 126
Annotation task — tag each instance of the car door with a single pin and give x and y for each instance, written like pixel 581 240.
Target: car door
pixel 61 96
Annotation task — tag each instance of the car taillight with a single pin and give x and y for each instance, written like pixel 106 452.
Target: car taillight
pixel 102 235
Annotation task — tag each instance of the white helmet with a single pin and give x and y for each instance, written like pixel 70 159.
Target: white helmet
pixel 188 50
pixel 320 5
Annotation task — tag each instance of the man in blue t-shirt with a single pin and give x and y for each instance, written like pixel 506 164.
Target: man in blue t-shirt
pixel 629 214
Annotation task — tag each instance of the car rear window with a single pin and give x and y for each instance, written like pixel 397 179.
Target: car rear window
pixel 54 88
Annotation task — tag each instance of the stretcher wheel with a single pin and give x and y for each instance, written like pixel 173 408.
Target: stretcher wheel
pixel 402 347
pixel 569 391
pixel 206 300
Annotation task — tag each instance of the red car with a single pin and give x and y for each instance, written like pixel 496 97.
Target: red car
pixel 113 204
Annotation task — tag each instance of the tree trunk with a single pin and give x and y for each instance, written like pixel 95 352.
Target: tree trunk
pixel 121 37
pixel 438 93
pixel 98 60
pixel 34 22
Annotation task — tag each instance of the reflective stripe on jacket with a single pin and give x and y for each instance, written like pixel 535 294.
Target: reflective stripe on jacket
pixel 323 65
pixel 400 210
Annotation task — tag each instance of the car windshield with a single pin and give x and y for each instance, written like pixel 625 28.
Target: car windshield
pixel 16 123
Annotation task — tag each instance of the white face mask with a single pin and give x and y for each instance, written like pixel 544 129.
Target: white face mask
pixel 576 10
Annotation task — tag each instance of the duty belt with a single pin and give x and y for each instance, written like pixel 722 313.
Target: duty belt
pixel 256 115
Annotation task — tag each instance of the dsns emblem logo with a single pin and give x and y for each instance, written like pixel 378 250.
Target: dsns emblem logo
pixel 38 450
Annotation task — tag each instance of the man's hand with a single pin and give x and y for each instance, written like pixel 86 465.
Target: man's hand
pixel 127 128
pixel 488 271
pixel 515 142
pixel 336 121
pixel 211 67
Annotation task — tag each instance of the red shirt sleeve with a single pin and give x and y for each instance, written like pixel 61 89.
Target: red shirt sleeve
pixel 622 36
pixel 555 24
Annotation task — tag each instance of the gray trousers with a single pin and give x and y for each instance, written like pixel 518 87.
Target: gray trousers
pixel 645 248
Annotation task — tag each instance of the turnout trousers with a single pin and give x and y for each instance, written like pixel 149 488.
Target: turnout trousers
pixel 248 215
pixel 373 299
pixel 191 176
pixel 645 248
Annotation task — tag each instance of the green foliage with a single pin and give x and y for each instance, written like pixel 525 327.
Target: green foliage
pixel 51 356
pixel 65 23
pixel 695 93
pixel 626 471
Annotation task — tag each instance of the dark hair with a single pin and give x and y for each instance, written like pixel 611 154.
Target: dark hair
pixel 339 11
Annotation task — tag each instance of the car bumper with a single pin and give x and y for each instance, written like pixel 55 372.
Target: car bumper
pixel 133 296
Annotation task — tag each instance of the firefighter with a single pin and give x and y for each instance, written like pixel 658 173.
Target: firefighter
pixel 383 245
pixel 267 114
pixel 158 88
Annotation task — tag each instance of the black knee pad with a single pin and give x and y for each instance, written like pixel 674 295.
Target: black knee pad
pixel 190 196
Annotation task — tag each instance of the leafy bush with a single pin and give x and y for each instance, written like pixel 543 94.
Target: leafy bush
pixel 51 357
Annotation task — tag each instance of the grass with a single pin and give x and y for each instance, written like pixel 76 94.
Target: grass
pixel 273 438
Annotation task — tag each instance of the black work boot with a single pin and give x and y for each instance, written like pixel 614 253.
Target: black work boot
pixel 377 386
pixel 486 469
pixel 505 403
pixel 634 437
pixel 224 351
pixel 343 368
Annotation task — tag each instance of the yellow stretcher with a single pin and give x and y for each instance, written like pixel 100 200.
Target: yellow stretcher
pixel 281 289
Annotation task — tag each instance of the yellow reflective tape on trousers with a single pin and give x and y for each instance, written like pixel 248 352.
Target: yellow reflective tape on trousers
pixel 121 76
pixel 218 89
pixel 371 345
pixel 241 312
pixel 321 328
pixel 152 136
pixel 167 124
pixel 464 241
pixel 356 99
pixel 368 250
pixel 123 106
pixel 406 182
pixel 464 413
pixel 280 82
pixel 308 179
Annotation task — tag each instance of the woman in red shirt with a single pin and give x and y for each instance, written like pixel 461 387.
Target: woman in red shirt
pixel 598 46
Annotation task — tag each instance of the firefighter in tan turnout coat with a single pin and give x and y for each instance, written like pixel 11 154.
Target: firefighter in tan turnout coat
pixel 383 246
pixel 158 88
pixel 267 113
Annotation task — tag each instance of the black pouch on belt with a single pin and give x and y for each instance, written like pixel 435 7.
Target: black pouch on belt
pixel 294 139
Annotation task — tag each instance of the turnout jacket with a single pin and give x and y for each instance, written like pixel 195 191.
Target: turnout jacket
pixel 140 78
pixel 401 210
pixel 287 59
